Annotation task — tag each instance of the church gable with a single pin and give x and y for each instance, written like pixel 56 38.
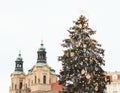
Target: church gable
pixel 41 68
pixel 45 68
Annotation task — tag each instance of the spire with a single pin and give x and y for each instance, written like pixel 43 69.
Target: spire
pixel 20 52
pixel 19 63
pixel 41 53
pixel 19 58
pixel 41 41
pixel 42 48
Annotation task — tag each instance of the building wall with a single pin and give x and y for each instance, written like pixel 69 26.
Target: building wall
pixel 17 83
pixel 38 81
pixel 114 87
pixel 53 78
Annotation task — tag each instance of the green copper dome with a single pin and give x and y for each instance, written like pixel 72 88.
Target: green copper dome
pixel 42 48
pixel 40 64
pixel 52 71
pixel 18 72
pixel 19 58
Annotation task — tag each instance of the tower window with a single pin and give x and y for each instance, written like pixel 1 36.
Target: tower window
pixel 20 65
pixel 38 56
pixel 43 55
pixel 44 79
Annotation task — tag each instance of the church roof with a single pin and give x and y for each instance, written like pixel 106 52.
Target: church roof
pixel 42 48
pixel 18 72
pixel 43 64
pixel 40 64
pixel 56 87
pixel 52 71
pixel 19 58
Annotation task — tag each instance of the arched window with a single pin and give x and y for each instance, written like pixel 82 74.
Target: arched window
pixel 28 82
pixel 15 86
pixel 12 85
pixel 31 82
pixel 44 79
pixel 17 65
pixel 20 65
pixel 35 79
pixel 20 86
pixel 50 81
pixel 43 55
pixel 26 85
pixel 38 80
pixel 38 56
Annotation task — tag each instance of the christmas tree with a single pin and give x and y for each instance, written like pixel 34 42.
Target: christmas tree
pixel 82 61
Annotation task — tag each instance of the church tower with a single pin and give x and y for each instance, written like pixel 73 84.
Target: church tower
pixel 18 77
pixel 19 64
pixel 41 54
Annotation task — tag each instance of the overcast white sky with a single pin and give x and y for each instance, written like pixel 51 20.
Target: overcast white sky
pixel 24 22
